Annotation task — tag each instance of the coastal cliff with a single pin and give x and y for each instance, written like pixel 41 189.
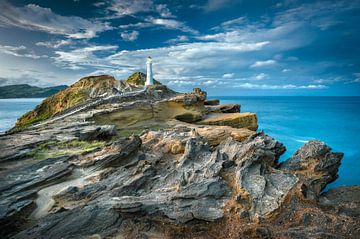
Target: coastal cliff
pixel 112 159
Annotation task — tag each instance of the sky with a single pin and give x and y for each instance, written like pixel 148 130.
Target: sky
pixel 226 47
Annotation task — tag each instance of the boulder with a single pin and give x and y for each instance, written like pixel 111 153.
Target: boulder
pixel 316 165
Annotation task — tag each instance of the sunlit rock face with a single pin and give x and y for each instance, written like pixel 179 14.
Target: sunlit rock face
pixel 154 163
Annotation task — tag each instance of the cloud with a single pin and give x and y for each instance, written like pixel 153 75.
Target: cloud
pixel 232 24
pixel 36 18
pixel 278 87
pixel 321 14
pixel 79 58
pixel 32 77
pixel 54 44
pixel 171 24
pixel 121 8
pixel 129 36
pixel 228 75
pixel 285 70
pixel 263 63
pixel 163 10
pixel 178 39
pixel 260 76
pixel 153 22
pixel 19 51
pixel 214 5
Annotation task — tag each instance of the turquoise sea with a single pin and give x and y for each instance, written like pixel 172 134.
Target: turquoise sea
pixel 11 109
pixel 291 120
pixel 295 120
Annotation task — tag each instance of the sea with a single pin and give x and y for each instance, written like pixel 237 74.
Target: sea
pixel 291 120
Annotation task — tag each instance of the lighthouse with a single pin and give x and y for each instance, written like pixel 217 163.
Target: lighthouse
pixel 149 74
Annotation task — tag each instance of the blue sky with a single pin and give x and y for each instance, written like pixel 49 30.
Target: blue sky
pixel 244 47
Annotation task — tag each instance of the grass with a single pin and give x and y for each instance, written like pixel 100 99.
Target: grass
pixel 53 149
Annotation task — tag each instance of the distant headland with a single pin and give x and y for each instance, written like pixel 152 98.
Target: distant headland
pixel 28 91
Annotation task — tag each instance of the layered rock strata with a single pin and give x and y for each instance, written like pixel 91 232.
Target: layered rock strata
pixel 157 164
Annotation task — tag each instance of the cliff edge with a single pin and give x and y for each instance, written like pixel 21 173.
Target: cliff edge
pixel 154 163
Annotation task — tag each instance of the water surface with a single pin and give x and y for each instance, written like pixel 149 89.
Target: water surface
pixel 11 109
pixel 295 120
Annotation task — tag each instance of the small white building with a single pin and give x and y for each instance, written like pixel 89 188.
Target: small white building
pixel 149 73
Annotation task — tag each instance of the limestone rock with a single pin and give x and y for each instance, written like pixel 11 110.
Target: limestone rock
pixel 316 164
pixel 201 94
pixel 101 132
pixel 159 177
pixel 236 120
pixel 212 102
pixel 223 108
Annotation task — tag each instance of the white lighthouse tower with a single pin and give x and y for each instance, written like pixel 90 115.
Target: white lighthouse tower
pixel 149 73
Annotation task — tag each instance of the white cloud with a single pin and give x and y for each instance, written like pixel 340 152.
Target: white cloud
pixel 263 63
pixel 260 76
pixel 214 5
pixel 19 51
pixel 171 24
pixel 318 14
pixel 285 70
pixel 278 87
pixel 178 39
pixel 122 8
pixel 36 18
pixel 78 58
pixel 129 36
pixel 228 75
pixel 54 44
pixel 232 24
pixel 163 10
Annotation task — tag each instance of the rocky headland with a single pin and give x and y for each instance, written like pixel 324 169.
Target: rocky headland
pixel 111 159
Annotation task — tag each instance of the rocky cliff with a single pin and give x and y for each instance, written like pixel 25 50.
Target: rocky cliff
pixel 87 88
pixel 159 164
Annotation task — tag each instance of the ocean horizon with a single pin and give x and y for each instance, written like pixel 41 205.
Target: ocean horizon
pixel 292 120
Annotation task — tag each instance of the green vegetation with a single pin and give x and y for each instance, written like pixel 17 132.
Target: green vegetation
pixel 28 91
pixel 53 149
pixel 139 78
pixel 34 120
pixel 77 97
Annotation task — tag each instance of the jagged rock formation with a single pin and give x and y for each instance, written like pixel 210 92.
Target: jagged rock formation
pixel 145 165
pixel 85 89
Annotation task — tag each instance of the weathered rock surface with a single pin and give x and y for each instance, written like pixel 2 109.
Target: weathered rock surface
pixel 236 120
pixel 212 102
pixel 316 159
pixel 223 108
pixel 155 176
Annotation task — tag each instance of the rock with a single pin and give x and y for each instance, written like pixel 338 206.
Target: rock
pixel 163 178
pixel 236 120
pixel 189 117
pixel 76 223
pixel 101 132
pixel 316 165
pixel 211 102
pixel 256 175
pixel 214 135
pixel 223 108
pixel 83 90
pixel 112 154
pixel 201 94
pixel 343 200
